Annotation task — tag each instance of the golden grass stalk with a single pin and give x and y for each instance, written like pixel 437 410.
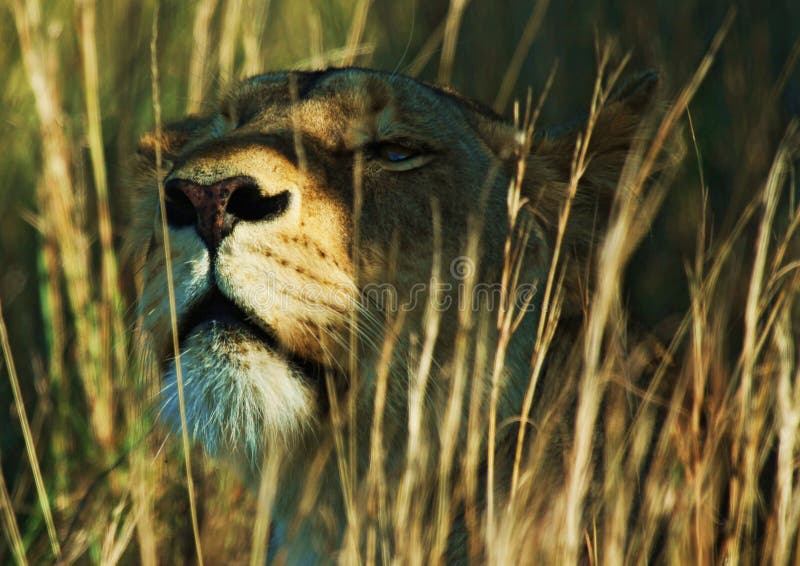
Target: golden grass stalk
pixel 111 325
pixel 171 290
pixel 332 57
pixel 30 448
pixel 53 315
pixel 62 212
pixel 316 40
pixel 267 489
pixel 591 388
pixel 350 546
pixel 450 427
pixel 353 367
pixel 518 58
pixel 229 35
pixel 146 472
pixel 747 446
pixel 474 447
pixel 507 320
pixel 10 526
pixel 427 51
pixel 118 534
pixel 788 397
pixel 348 460
pixel 454 15
pixel 143 478
pixel 357 26
pixel 252 31
pixel 376 474
pixel 408 510
pixel 198 64
pixel 701 347
pixel 547 313
pixel 619 242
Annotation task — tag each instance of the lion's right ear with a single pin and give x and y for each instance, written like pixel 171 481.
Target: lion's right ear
pixel 622 128
pixel 172 139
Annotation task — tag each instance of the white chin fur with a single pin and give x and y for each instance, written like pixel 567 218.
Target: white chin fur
pixel 240 396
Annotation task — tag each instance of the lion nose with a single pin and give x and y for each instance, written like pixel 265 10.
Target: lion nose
pixel 216 208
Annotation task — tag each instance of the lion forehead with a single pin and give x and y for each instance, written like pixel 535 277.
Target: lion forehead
pixel 343 107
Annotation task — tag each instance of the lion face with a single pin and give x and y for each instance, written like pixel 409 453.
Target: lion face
pixel 300 193
pixel 282 207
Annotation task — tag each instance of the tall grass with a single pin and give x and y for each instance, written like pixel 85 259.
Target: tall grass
pixel 700 430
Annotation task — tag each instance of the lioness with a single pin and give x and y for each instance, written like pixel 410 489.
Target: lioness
pixel 287 209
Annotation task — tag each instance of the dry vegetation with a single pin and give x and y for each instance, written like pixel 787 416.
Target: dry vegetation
pixel 700 458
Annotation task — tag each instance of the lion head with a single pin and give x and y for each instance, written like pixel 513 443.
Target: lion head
pixel 307 199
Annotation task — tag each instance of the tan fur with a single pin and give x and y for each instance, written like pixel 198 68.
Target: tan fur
pixel 300 277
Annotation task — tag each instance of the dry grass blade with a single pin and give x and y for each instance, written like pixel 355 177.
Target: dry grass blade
pixel 427 51
pixel 353 365
pixel 788 389
pixel 63 213
pixel 41 490
pixel 376 474
pixel 253 30
pixel 144 478
pixel 110 317
pixel 118 536
pixel 353 339
pixel 10 526
pixel 454 15
pixel 432 316
pixel 549 315
pixel 231 32
pixel 613 255
pixel 746 448
pixel 474 448
pixel 171 290
pixel 198 64
pixel 589 395
pixel 514 247
pixel 357 26
pixel 332 57
pixel 267 489
pixel 407 513
pixel 523 47
pixel 451 422
pixel 316 40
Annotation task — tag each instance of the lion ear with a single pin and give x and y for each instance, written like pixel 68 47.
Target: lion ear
pixel 172 138
pixel 622 125
pixel 616 127
pixel 638 92
pixel 622 128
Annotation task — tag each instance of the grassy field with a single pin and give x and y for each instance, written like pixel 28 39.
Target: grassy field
pixel 87 477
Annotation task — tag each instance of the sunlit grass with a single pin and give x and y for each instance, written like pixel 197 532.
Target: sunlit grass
pixel 699 457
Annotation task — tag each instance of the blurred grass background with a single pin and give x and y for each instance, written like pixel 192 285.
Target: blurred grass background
pixel 739 115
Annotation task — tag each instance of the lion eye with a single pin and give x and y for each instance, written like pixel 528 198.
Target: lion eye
pixel 395 153
pixel 397 157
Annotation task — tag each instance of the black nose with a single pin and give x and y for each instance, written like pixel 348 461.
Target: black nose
pixel 215 209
